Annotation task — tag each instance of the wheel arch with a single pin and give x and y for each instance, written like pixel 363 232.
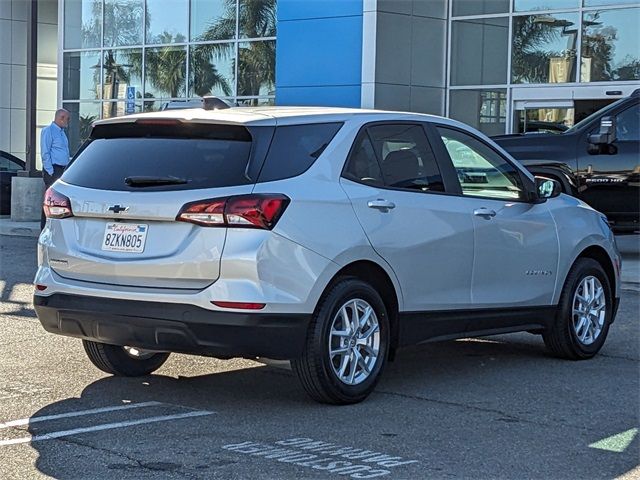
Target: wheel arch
pixel 375 275
pixel 600 255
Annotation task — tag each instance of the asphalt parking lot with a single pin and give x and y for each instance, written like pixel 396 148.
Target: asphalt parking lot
pixel 485 408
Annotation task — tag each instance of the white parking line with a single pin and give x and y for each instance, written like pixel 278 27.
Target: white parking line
pixel 80 413
pixel 105 426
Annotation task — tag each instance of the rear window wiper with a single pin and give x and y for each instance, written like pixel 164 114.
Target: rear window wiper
pixel 142 181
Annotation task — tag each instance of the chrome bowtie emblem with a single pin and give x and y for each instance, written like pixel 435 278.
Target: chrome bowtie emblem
pixel 117 208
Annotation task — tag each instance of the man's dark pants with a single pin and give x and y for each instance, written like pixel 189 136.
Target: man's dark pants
pixel 48 181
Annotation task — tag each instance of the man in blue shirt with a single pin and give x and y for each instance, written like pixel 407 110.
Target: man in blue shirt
pixel 54 147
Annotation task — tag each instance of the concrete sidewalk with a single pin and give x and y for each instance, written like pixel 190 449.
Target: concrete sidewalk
pixel 20 229
pixel 629 246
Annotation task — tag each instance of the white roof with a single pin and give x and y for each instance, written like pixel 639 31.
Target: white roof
pixel 272 115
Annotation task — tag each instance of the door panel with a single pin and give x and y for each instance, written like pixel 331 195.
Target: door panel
pixel 426 238
pixel 516 254
pixel 516 246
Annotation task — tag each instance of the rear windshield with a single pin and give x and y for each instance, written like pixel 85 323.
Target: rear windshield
pixel 217 159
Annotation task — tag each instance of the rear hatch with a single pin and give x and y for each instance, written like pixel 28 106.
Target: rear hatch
pixel 127 186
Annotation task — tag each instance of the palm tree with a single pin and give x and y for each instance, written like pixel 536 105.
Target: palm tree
pixel 256 64
pixel 530 63
pixel 123 22
pixel 90 30
pixel 204 75
pixel 166 67
pixel 84 128
pixel 256 60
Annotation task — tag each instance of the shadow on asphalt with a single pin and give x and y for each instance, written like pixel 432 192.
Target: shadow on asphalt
pixel 17 268
pixel 478 408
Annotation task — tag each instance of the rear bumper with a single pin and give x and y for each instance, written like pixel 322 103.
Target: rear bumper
pixel 174 327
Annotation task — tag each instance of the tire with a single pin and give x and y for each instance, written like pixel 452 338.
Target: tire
pixel 563 339
pixel 318 371
pixel 116 360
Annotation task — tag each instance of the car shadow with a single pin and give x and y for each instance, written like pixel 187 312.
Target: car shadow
pixel 493 399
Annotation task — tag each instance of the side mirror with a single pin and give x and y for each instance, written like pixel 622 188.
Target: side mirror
pixel 607 133
pixel 547 188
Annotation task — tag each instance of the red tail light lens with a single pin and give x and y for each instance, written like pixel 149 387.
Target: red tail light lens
pixel 250 211
pixel 256 211
pixel 56 205
pixel 240 305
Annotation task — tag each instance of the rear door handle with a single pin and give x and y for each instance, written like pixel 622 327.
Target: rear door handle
pixel 484 212
pixel 381 204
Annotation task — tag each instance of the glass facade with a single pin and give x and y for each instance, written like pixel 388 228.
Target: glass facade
pixel 544 48
pixel 534 5
pixel 497 46
pixel 610 45
pixel 485 110
pixel 157 50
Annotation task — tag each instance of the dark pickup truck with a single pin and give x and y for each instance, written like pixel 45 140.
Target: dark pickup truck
pixel 596 160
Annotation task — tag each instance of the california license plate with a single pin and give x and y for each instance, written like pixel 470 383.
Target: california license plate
pixel 124 237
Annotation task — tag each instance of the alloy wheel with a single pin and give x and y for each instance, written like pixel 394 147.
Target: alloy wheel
pixel 589 310
pixel 354 342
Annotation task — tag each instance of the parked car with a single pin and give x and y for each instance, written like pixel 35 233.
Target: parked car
pixel 328 237
pixel 597 160
pixel 533 126
pixel 9 167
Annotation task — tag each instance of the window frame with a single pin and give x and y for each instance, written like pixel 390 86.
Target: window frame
pixel 527 184
pixel 594 125
pixel 267 152
pixel 446 179
pixel 620 112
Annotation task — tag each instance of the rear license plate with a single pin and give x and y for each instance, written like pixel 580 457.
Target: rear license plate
pixel 124 237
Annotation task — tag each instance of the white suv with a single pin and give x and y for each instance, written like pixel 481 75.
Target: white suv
pixel 329 237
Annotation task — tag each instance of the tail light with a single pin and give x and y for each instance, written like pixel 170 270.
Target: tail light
pixel 250 211
pixel 239 305
pixel 56 205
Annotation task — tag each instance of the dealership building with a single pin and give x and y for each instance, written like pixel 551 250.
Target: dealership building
pixel 498 65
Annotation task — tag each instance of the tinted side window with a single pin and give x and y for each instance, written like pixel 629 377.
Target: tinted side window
pixel 628 124
pixel 362 165
pixel 405 157
pixel 7 165
pixel 295 148
pixel 481 171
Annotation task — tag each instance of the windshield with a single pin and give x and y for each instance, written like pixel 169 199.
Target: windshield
pixel 597 113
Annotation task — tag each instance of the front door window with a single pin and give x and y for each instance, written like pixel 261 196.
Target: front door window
pixel 481 171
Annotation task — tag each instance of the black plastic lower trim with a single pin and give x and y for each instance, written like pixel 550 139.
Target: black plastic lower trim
pixel 420 327
pixel 174 327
